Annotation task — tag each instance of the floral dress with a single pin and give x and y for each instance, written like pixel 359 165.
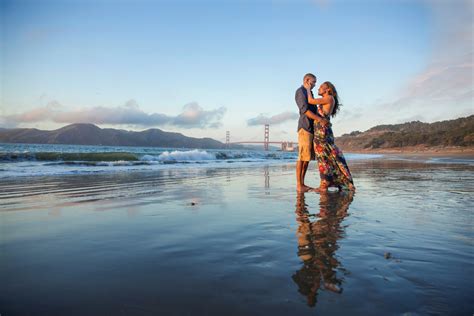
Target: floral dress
pixel 332 165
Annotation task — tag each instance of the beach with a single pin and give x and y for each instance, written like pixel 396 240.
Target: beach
pixel 420 151
pixel 237 239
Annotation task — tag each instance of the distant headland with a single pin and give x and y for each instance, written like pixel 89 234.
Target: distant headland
pixel 90 134
pixel 444 136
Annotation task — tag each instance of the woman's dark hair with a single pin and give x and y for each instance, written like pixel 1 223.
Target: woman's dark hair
pixel 333 92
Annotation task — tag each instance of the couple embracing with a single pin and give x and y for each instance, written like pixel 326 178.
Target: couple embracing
pixel 316 139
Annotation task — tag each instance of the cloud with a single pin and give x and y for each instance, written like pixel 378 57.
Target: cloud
pixel 273 120
pixel 445 88
pixel 192 116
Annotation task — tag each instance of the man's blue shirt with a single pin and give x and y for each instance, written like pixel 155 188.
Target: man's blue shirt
pixel 301 98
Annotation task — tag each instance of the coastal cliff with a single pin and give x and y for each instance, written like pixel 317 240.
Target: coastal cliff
pixel 416 135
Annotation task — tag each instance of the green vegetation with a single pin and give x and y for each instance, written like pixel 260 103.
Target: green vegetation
pixel 458 132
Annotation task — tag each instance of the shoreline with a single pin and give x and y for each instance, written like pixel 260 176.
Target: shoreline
pixel 445 152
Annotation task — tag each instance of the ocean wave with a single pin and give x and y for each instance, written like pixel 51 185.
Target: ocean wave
pixel 46 160
pixel 181 156
pixel 62 156
pixel 164 157
pixel 98 163
pixel 36 160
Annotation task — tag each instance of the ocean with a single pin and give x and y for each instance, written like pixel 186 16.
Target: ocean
pixel 18 160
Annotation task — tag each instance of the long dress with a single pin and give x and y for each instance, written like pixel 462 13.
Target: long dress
pixel 332 165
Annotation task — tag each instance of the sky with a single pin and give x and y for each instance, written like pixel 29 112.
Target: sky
pixel 202 68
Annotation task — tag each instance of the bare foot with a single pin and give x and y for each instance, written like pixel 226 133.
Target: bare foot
pixel 303 188
pixel 320 189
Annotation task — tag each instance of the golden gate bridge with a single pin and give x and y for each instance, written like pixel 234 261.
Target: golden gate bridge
pixel 285 145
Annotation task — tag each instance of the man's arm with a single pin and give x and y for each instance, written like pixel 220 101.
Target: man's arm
pixel 301 101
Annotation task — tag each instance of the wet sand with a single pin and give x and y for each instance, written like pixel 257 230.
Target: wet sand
pixel 240 241
pixel 420 151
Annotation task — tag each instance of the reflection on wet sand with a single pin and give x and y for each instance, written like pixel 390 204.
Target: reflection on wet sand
pixel 317 243
pixel 266 173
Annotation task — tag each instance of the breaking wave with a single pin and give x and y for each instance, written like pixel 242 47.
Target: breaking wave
pixel 34 160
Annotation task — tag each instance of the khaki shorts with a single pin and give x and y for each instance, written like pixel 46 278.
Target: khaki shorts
pixel 305 146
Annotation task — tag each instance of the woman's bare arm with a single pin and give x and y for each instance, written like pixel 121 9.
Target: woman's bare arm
pixel 315 117
pixel 322 101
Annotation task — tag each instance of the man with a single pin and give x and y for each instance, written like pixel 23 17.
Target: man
pixel 305 130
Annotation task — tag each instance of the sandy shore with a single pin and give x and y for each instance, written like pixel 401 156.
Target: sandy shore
pixel 239 241
pixel 445 152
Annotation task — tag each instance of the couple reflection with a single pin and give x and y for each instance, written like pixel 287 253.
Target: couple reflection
pixel 317 243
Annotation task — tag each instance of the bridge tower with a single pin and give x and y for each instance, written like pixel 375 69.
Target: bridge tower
pixel 227 138
pixel 266 137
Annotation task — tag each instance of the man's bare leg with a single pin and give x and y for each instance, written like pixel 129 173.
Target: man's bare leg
pixel 305 168
pixel 301 167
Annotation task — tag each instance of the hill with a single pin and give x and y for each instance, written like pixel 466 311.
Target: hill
pixel 450 133
pixel 89 134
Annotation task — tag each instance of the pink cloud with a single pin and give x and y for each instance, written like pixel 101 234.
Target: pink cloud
pixel 273 120
pixel 192 116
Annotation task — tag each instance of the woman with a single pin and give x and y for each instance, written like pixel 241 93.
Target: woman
pixel 333 168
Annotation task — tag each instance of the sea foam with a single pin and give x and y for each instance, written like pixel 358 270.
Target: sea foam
pixel 181 156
